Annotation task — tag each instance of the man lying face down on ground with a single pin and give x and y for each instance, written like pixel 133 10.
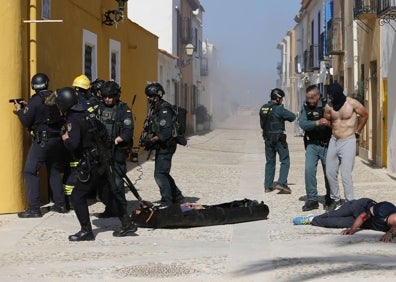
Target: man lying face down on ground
pixel 195 215
pixel 357 214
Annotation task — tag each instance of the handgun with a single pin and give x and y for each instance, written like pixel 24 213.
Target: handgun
pixel 17 100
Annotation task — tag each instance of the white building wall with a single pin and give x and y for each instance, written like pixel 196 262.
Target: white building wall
pixel 166 75
pixel 388 65
pixel 158 17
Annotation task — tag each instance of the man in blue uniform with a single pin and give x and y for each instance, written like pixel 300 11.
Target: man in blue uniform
pixel 44 122
pixel 317 133
pixel 117 117
pixel 85 137
pixel 272 121
pixel 357 214
pixel 160 139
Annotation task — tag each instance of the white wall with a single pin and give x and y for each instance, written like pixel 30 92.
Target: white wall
pixel 389 72
pixel 158 17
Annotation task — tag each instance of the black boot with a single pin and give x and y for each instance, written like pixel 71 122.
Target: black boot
pixel 128 228
pixel 85 234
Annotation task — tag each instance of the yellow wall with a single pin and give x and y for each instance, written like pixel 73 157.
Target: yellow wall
pixel 59 55
pixel 11 136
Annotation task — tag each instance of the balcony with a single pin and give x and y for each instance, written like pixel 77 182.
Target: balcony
pixel 314 54
pixel 365 9
pixel 386 9
pixel 335 44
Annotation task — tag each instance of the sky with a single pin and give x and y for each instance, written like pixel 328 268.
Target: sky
pixel 246 34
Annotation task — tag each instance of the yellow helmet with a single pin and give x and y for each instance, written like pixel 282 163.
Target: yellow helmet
pixel 82 81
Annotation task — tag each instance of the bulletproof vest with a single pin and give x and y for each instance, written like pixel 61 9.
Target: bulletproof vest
pixel 51 115
pixel 155 122
pixel 274 124
pixel 321 133
pixel 96 132
pixel 108 118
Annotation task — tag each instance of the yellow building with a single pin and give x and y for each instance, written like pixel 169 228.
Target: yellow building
pixel 65 39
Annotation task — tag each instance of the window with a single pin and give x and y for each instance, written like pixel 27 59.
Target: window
pixel 46 9
pixel 89 52
pixel 115 65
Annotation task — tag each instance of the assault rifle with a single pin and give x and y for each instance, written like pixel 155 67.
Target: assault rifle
pixel 106 161
pixel 147 133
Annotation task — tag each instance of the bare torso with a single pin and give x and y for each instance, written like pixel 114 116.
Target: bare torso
pixel 343 121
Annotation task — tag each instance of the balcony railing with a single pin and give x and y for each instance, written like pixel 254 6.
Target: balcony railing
pixel 335 44
pixel 365 9
pixel 386 9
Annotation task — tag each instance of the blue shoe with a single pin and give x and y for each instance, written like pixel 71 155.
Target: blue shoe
pixel 303 220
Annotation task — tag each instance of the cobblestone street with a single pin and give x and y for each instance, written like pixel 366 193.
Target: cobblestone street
pixel 223 165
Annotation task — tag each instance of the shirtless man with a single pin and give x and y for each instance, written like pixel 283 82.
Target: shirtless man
pixel 342 113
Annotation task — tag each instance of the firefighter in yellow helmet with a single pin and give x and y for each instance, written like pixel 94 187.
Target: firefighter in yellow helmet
pixel 89 101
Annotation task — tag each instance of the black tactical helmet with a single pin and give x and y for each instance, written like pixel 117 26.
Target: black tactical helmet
pixel 96 85
pixel 154 89
pixel 111 89
pixel 39 81
pixel 277 94
pixel 66 98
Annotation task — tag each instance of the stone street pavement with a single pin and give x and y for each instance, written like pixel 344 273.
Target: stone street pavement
pixel 223 165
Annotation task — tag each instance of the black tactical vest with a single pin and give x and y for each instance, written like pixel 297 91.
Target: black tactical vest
pixel 319 133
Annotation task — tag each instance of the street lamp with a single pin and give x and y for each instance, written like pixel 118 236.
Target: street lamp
pixel 189 49
pixel 112 17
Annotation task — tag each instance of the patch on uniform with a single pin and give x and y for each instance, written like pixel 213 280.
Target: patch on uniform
pixel 25 110
pixel 162 122
pixel 69 127
pixel 165 111
pixel 127 121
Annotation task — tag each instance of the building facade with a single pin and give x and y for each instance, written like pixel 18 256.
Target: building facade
pixel 352 43
pixel 65 39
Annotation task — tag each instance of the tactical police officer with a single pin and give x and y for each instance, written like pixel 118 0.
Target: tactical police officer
pixel 316 140
pixel 44 122
pixel 84 136
pixel 160 139
pixel 272 121
pixel 117 117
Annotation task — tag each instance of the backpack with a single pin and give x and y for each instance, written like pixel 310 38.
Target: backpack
pixel 179 124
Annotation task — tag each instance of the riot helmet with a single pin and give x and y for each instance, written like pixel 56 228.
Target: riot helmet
pixel 66 98
pixel 111 89
pixel 96 86
pixel 154 89
pixel 82 82
pixel 277 93
pixel 39 81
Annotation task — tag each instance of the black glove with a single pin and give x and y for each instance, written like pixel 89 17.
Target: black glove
pixel 148 144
